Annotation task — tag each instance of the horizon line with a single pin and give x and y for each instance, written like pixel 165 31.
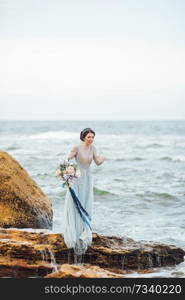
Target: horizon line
pixel 87 120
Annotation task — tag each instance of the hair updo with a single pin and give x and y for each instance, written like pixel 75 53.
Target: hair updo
pixel 84 132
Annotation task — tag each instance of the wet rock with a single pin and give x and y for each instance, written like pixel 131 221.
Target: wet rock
pixel 22 202
pixel 131 254
pixel 22 268
pixel 83 271
pixel 39 253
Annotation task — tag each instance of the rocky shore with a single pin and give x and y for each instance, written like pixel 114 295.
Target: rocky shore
pixel 41 254
pixel 38 252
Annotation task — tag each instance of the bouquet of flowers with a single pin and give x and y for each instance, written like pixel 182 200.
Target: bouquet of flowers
pixel 68 171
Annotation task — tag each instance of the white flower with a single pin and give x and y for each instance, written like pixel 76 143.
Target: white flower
pixel 58 172
pixel 78 174
pixel 70 170
pixel 65 176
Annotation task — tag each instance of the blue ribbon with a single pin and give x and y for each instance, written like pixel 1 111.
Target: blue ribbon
pixel 83 213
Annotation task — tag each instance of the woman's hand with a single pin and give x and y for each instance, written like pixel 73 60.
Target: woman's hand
pixel 100 159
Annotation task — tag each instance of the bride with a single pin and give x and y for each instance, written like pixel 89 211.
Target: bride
pixel 77 230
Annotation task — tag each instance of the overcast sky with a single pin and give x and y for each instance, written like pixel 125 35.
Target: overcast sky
pixel 100 59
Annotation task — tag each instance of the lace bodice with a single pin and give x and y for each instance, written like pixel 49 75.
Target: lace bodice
pixel 84 156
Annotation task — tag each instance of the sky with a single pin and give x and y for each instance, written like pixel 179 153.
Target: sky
pixel 97 60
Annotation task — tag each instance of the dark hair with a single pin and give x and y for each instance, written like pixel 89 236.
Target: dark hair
pixel 84 132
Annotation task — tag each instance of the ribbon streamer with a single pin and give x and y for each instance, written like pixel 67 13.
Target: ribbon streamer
pixel 83 213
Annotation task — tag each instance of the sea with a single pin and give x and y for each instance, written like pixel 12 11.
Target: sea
pixel 139 191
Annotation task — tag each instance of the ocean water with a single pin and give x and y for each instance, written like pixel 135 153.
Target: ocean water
pixel 140 189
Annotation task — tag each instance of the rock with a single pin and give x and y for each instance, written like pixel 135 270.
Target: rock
pixel 22 202
pixel 40 253
pixel 129 254
pixel 21 268
pixel 85 271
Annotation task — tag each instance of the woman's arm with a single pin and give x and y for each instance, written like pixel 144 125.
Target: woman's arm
pixel 98 158
pixel 72 153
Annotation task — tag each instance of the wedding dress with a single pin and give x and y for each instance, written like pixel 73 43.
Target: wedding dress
pixel 77 233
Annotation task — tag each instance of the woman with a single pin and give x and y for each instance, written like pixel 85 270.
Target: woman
pixel 77 232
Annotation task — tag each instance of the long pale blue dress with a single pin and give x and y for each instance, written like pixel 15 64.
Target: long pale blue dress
pixel 77 234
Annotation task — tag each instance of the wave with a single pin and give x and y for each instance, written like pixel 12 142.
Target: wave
pixel 180 158
pixel 11 148
pixel 129 158
pixel 102 192
pixel 71 134
pixel 43 174
pixel 55 135
pixel 152 145
pixel 161 196
pixel 64 135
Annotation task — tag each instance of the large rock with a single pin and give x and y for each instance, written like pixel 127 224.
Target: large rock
pixel 22 202
pixel 38 254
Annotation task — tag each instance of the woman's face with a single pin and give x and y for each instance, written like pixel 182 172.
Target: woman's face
pixel 89 138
